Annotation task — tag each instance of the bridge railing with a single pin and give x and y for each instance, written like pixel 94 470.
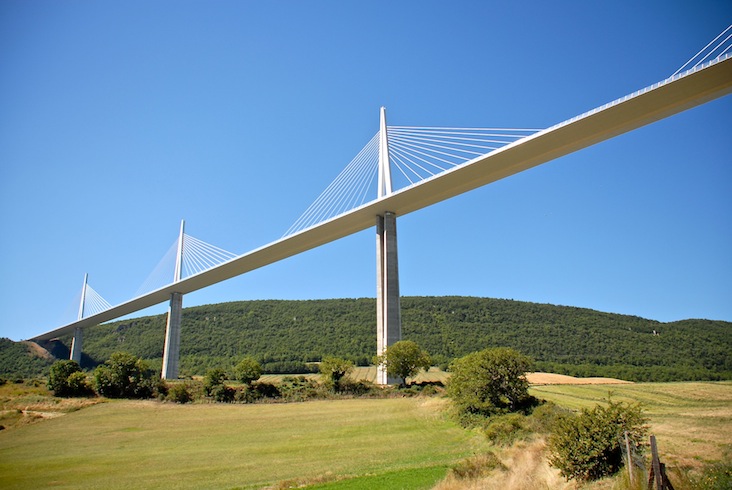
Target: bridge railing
pixel 642 91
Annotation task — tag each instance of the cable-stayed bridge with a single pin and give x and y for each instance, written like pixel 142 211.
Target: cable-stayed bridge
pixel 401 170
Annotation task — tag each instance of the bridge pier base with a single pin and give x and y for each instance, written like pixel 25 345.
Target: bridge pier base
pixel 171 352
pixel 76 345
pixel 388 308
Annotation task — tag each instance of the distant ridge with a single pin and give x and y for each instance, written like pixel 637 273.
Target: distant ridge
pixel 284 335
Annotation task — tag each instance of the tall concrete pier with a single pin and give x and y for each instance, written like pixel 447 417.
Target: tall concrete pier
pixel 388 308
pixel 171 351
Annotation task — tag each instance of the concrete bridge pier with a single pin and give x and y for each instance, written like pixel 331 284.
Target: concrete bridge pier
pixel 171 352
pixel 76 345
pixel 388 307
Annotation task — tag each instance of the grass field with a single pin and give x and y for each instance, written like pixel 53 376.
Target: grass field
pixel 129 444
pixel 336 445
pixel 691 421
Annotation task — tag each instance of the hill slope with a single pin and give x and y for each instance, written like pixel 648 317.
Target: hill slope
pixel 285 334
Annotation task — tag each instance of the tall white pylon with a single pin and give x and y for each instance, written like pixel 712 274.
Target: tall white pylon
pixel 78 336
pixel 384 166
pixel 171 351
pixel 388 307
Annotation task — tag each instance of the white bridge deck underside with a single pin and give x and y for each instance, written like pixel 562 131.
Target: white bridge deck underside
pixel 649 105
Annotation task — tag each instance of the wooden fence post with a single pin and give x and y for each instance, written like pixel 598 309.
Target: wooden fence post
pixel 658 470
pixel 630 459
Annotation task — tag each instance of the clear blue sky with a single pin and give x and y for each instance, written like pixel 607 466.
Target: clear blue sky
pixel 118 119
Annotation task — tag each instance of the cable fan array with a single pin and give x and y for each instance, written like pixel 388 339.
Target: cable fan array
pixel 415 153
pixel 716 49
pixel 198 256
pixel 93 302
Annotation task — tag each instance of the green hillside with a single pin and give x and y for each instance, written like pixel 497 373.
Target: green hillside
pixel 284 335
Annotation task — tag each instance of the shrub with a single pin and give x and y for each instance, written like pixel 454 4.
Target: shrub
pixel 179 393
pixel 476 466
pixel 125 376
pixel 300 388
pixel 58 378
pixel 490 382
pixel 334 369
pixel 265 390
pixel 222 393
pixel 546 416
pixel 589 446
pixel 359 388
pixel 504 430
pixel 78 384
pixel 214 378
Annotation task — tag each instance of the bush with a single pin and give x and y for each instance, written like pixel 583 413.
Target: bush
pixel 490 382
pixel 125 376
pixel 477 466
pixel 334 369
pixel 58 379
pixel 504 430
pixel 222 393
pixel 214 378
pixel 265 390
pixel 590 445
pixel 179 393
pixel 78 385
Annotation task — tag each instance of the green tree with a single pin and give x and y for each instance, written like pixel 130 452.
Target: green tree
pixel 490 381
pixel 334 369
pixel 248 370
pixel 58 378
pixel 589 446
pixel 124 376
pixel 404 359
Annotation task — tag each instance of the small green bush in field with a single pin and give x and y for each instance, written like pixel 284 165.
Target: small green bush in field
pixel 334 369
pixel 222 393
pixel 504 430
pixel 78 384
pixel 214 378
pixel 179 393
pixel 124 375
pixel 490 382
pixel 589 446
pixel 61 382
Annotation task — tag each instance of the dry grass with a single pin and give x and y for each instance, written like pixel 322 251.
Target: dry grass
pixel 692 421
pixel 562 379
pixel 526 468
pixel 22 404
pixel 368 373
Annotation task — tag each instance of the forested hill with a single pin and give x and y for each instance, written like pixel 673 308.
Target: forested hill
pixel 284 335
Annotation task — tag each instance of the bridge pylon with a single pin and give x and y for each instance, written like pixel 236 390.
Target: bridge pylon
pixel 388 307
pixel 76 342
pixel 171 351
